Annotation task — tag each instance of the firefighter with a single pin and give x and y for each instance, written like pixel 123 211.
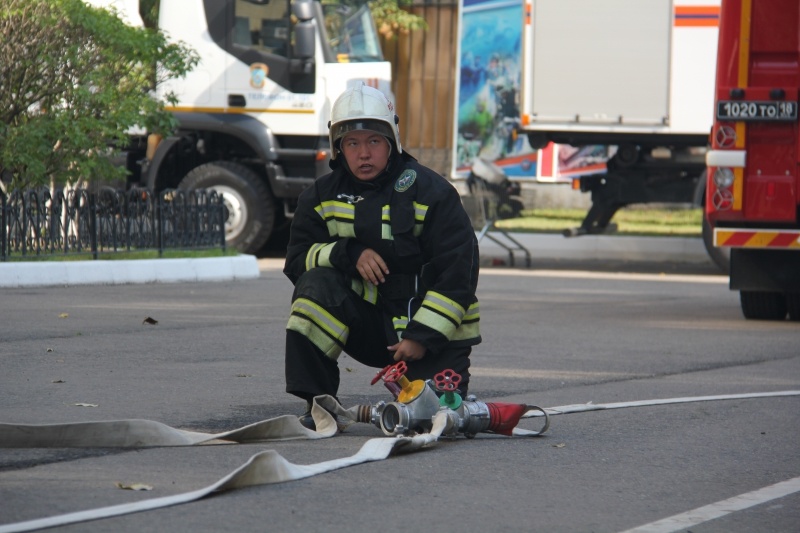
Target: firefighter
pixel 383 258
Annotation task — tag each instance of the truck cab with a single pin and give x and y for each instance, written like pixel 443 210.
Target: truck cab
pixel 253 113
pixel 753 200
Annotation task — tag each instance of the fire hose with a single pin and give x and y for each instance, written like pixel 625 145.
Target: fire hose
pixel 417 417
pixel 406 419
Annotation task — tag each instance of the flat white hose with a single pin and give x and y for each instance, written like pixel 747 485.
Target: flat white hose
pixel 265 467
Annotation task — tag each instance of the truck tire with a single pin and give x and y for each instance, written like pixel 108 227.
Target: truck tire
pixel 721 256
pixel 248 201
pixel 793 305
pixel 762 305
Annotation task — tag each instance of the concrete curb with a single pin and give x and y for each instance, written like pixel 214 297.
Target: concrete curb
pixel 542 247
pixel 102 272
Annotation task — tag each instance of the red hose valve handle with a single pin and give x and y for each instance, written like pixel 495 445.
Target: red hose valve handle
pixel 394 388
pixel 380 374
pixel 447 380
pixel 396 372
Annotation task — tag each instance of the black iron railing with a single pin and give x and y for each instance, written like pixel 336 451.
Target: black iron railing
pixel 83 222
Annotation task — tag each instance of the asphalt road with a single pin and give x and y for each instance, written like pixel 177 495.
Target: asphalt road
pixel 214 362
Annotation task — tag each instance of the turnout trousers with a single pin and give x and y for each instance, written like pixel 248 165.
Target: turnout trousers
pixel 333 313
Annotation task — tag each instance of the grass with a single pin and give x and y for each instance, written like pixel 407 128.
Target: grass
pixel 118 256
pixel 646 221
pixel 664 222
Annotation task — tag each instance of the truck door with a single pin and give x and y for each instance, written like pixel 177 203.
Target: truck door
pixel 258 39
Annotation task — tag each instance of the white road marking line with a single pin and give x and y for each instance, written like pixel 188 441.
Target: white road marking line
pixel 487 372
pixel 680 522
pixel 623 276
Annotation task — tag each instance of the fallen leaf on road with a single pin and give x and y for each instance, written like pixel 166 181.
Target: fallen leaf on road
pixel 134 486
pixel 151 321
pixel 559 445
pixel 63 315
pixel 81 404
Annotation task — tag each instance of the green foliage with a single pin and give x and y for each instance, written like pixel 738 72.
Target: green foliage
pixel 391 18
pixel 630 221
pixel 74 80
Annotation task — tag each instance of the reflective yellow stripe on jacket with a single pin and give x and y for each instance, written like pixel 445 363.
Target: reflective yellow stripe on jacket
pixel 338 216
pixel 365 289
pixel 440 313
pixel 320 327
pixel 469 328
pixel 420 211
pixel 399 323
pixel 319 255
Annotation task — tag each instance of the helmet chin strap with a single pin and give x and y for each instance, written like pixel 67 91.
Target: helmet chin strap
pixel 388 159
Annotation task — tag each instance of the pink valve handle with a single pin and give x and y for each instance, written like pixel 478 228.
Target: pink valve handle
pixel 447 380
pixel 396 372
pixel 380 374
pixel 393 387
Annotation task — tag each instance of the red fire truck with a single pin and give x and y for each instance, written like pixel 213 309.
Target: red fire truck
pixel 753 189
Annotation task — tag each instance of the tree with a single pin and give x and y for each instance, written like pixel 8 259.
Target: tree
pixel 389 15
pixel 74 80
pixel 391 18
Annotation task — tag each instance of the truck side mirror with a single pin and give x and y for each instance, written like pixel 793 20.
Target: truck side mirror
pixel 302 67
pixel 303 10
pixel 305 33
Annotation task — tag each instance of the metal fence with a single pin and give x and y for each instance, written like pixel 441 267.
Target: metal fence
pixel 42 222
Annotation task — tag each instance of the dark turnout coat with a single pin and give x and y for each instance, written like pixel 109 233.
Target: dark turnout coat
pixel 415 220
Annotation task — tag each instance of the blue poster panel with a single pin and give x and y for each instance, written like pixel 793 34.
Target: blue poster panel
pixel 487 103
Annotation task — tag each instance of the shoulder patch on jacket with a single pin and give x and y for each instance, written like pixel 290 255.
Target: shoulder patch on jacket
pixel 406 180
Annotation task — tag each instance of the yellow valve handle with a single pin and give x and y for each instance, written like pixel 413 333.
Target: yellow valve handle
pixel 410 390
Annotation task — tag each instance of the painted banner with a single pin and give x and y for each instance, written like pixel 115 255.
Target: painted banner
pixel 487 104
pixel 487 109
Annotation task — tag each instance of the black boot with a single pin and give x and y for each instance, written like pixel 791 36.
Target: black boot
pixel 306 419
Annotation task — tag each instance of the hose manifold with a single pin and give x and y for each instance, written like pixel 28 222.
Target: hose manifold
pixel 417 403
pixel 397 418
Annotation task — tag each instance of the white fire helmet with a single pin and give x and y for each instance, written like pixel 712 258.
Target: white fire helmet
pixel 363 108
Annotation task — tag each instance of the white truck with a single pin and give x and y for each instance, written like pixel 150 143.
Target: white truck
pixel 634 76
pixel 253 115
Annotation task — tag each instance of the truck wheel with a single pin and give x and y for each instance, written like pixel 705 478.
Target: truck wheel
pixel 249 203
pixel 721 256
pixel 762 305
pixel 793 305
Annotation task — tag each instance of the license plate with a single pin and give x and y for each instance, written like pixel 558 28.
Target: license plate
pixel 741 110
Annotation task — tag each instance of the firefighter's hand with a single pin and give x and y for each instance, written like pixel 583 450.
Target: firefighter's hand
pixel 407 350
pixel 372 267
